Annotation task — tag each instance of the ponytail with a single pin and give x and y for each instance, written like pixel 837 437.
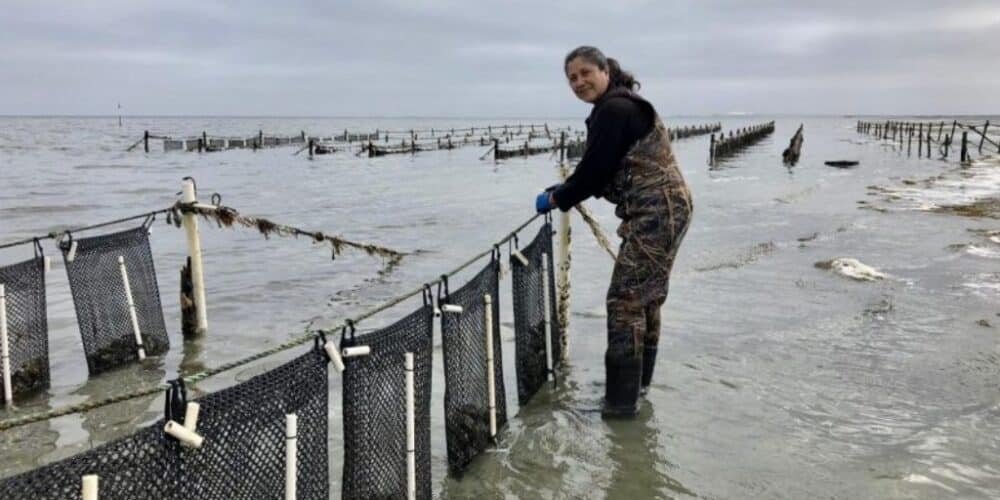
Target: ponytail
pixel 620 77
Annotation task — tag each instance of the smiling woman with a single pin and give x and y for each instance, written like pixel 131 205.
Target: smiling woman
pixel 628 160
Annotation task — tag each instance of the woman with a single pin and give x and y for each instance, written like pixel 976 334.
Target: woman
pixel 629 162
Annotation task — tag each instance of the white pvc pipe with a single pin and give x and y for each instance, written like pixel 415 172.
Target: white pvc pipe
pixel 183 434
pixel 194 250
pixel 411 454
pixel 48 264
pixel 8 392
pixel 361 350
pixel 490 382
pixel 520 257
pixel 334 353
pixel 89 487
pixel 131 309
pixel 291 455
pixel 452 308
pixel 191 416
pixel 71 255
pixel 547 310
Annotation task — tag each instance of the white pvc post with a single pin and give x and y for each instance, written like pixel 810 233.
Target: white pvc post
pixel 291 455
pixel 194 250
pixel 89 487
pixel 8 392
pixel 547 312
pixel 411 454
pixel 562 284
pixel 131 309
pixel 490 382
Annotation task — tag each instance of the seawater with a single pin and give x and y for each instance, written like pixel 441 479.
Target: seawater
pixel 776 378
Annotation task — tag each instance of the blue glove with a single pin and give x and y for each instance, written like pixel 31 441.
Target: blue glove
pixel 542 204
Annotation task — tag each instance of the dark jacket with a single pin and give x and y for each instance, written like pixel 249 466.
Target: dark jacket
pixel 618 120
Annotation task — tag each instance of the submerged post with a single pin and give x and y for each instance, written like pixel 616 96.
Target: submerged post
pixel 8 392
pixel 194 252
pixel 562 283
pixel 131 309
pixel 965 146
pixel 491 400
pixel 981 141
pixel 411 452
pixel 145 140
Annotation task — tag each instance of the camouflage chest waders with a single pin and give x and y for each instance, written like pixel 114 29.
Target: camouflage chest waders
pixel 654 204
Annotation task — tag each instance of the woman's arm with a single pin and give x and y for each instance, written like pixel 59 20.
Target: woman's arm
pixel 618 124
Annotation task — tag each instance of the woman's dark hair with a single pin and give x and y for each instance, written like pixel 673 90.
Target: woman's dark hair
pixel 593 55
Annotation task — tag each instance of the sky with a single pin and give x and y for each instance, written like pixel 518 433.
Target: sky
pixel 494 59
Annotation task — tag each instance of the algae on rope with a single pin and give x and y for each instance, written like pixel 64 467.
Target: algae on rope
pixel 228 217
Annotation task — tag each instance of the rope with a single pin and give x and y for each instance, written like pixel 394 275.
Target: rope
pixel 595 228
pixel 302 339
pixel 227 216
pixel 985 137
pixel 56 234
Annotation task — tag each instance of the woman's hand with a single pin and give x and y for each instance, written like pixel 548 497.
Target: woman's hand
pixel 544 202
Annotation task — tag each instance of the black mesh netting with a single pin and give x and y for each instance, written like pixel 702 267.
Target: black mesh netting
pixel 101 305
pixel 242 457
pixel 375 409
pixel 529 319
pixel 27 325
pixel 466 396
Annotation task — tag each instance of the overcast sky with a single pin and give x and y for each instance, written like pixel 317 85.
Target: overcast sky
pixel 496 59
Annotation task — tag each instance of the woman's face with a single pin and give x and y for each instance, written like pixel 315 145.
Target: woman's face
pixel 587 80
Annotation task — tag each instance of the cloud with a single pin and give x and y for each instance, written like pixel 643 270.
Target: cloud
pixel 450 58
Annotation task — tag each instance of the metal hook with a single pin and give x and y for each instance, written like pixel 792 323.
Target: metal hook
pixel 216 199
pixel 319 343
pixel 349 324
pixel 447 291
pixel 176 401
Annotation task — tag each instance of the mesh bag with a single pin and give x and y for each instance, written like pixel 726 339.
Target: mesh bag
pixel 99 297
pixel 529 315
pixel 242 457
pixel 466 396
pixel 27 325
pixel 375 409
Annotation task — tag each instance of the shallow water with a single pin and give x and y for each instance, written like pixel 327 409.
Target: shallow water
pixel 776 379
